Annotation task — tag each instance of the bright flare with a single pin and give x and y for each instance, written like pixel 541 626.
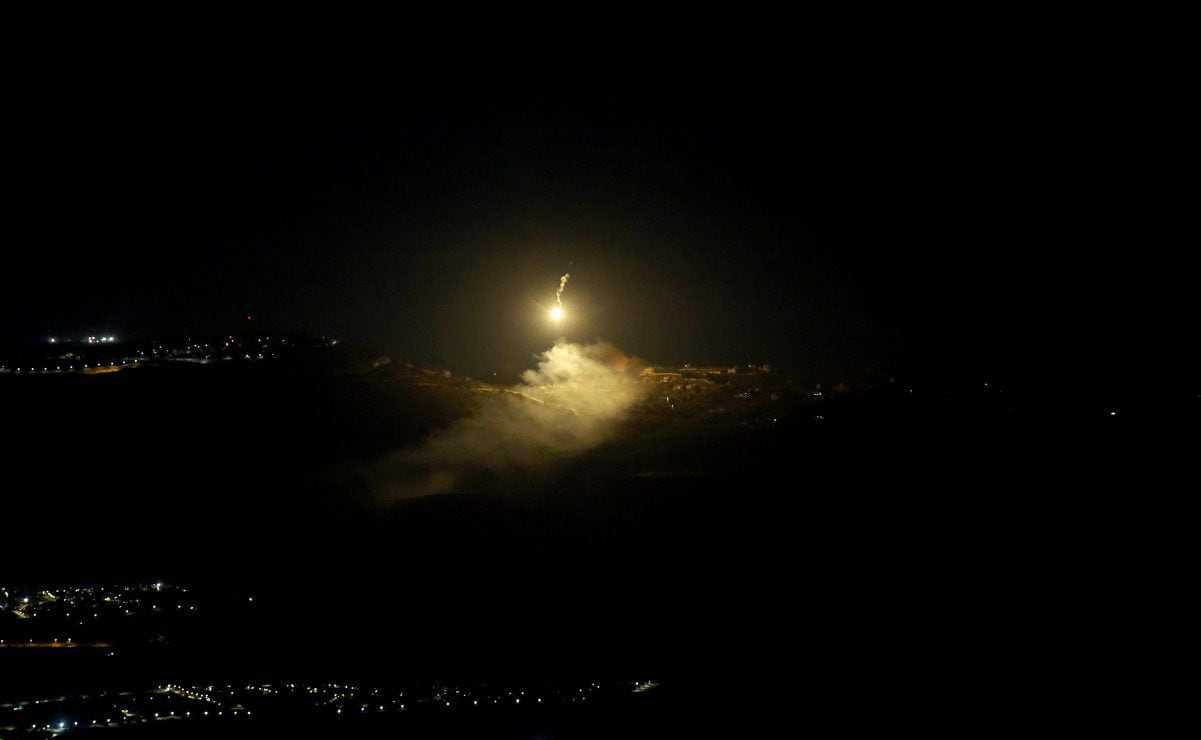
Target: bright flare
pixel 556 313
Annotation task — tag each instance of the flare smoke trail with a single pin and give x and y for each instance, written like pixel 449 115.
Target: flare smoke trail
pixel 574 400
pixel 562 285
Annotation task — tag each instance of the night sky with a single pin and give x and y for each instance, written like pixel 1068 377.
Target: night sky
pixel 977 206
pixel 995 212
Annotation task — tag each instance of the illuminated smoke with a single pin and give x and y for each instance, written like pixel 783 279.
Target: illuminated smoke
pixel 572 401
pixel 562 285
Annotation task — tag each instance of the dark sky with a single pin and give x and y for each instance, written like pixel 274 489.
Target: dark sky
pixel 988 205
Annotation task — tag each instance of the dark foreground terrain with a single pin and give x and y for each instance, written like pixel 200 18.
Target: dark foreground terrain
pixel 954 556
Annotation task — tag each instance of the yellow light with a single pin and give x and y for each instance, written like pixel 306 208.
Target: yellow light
pixel 556 313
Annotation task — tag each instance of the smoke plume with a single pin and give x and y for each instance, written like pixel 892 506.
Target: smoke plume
pixel 562 286
pixel 572 401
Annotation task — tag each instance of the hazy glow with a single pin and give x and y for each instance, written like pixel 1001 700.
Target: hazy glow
pixel 556 313
pixel 572 401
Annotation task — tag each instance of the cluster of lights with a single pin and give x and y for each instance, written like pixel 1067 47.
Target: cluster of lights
pixel 225 701
pixel 68 368
pixel 81 604
pixel 261 348
pixel 134 709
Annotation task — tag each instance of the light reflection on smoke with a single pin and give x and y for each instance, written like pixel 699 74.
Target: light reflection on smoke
pixel 572 401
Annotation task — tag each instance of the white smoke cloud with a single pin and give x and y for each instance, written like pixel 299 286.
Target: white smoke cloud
pixel 573 400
